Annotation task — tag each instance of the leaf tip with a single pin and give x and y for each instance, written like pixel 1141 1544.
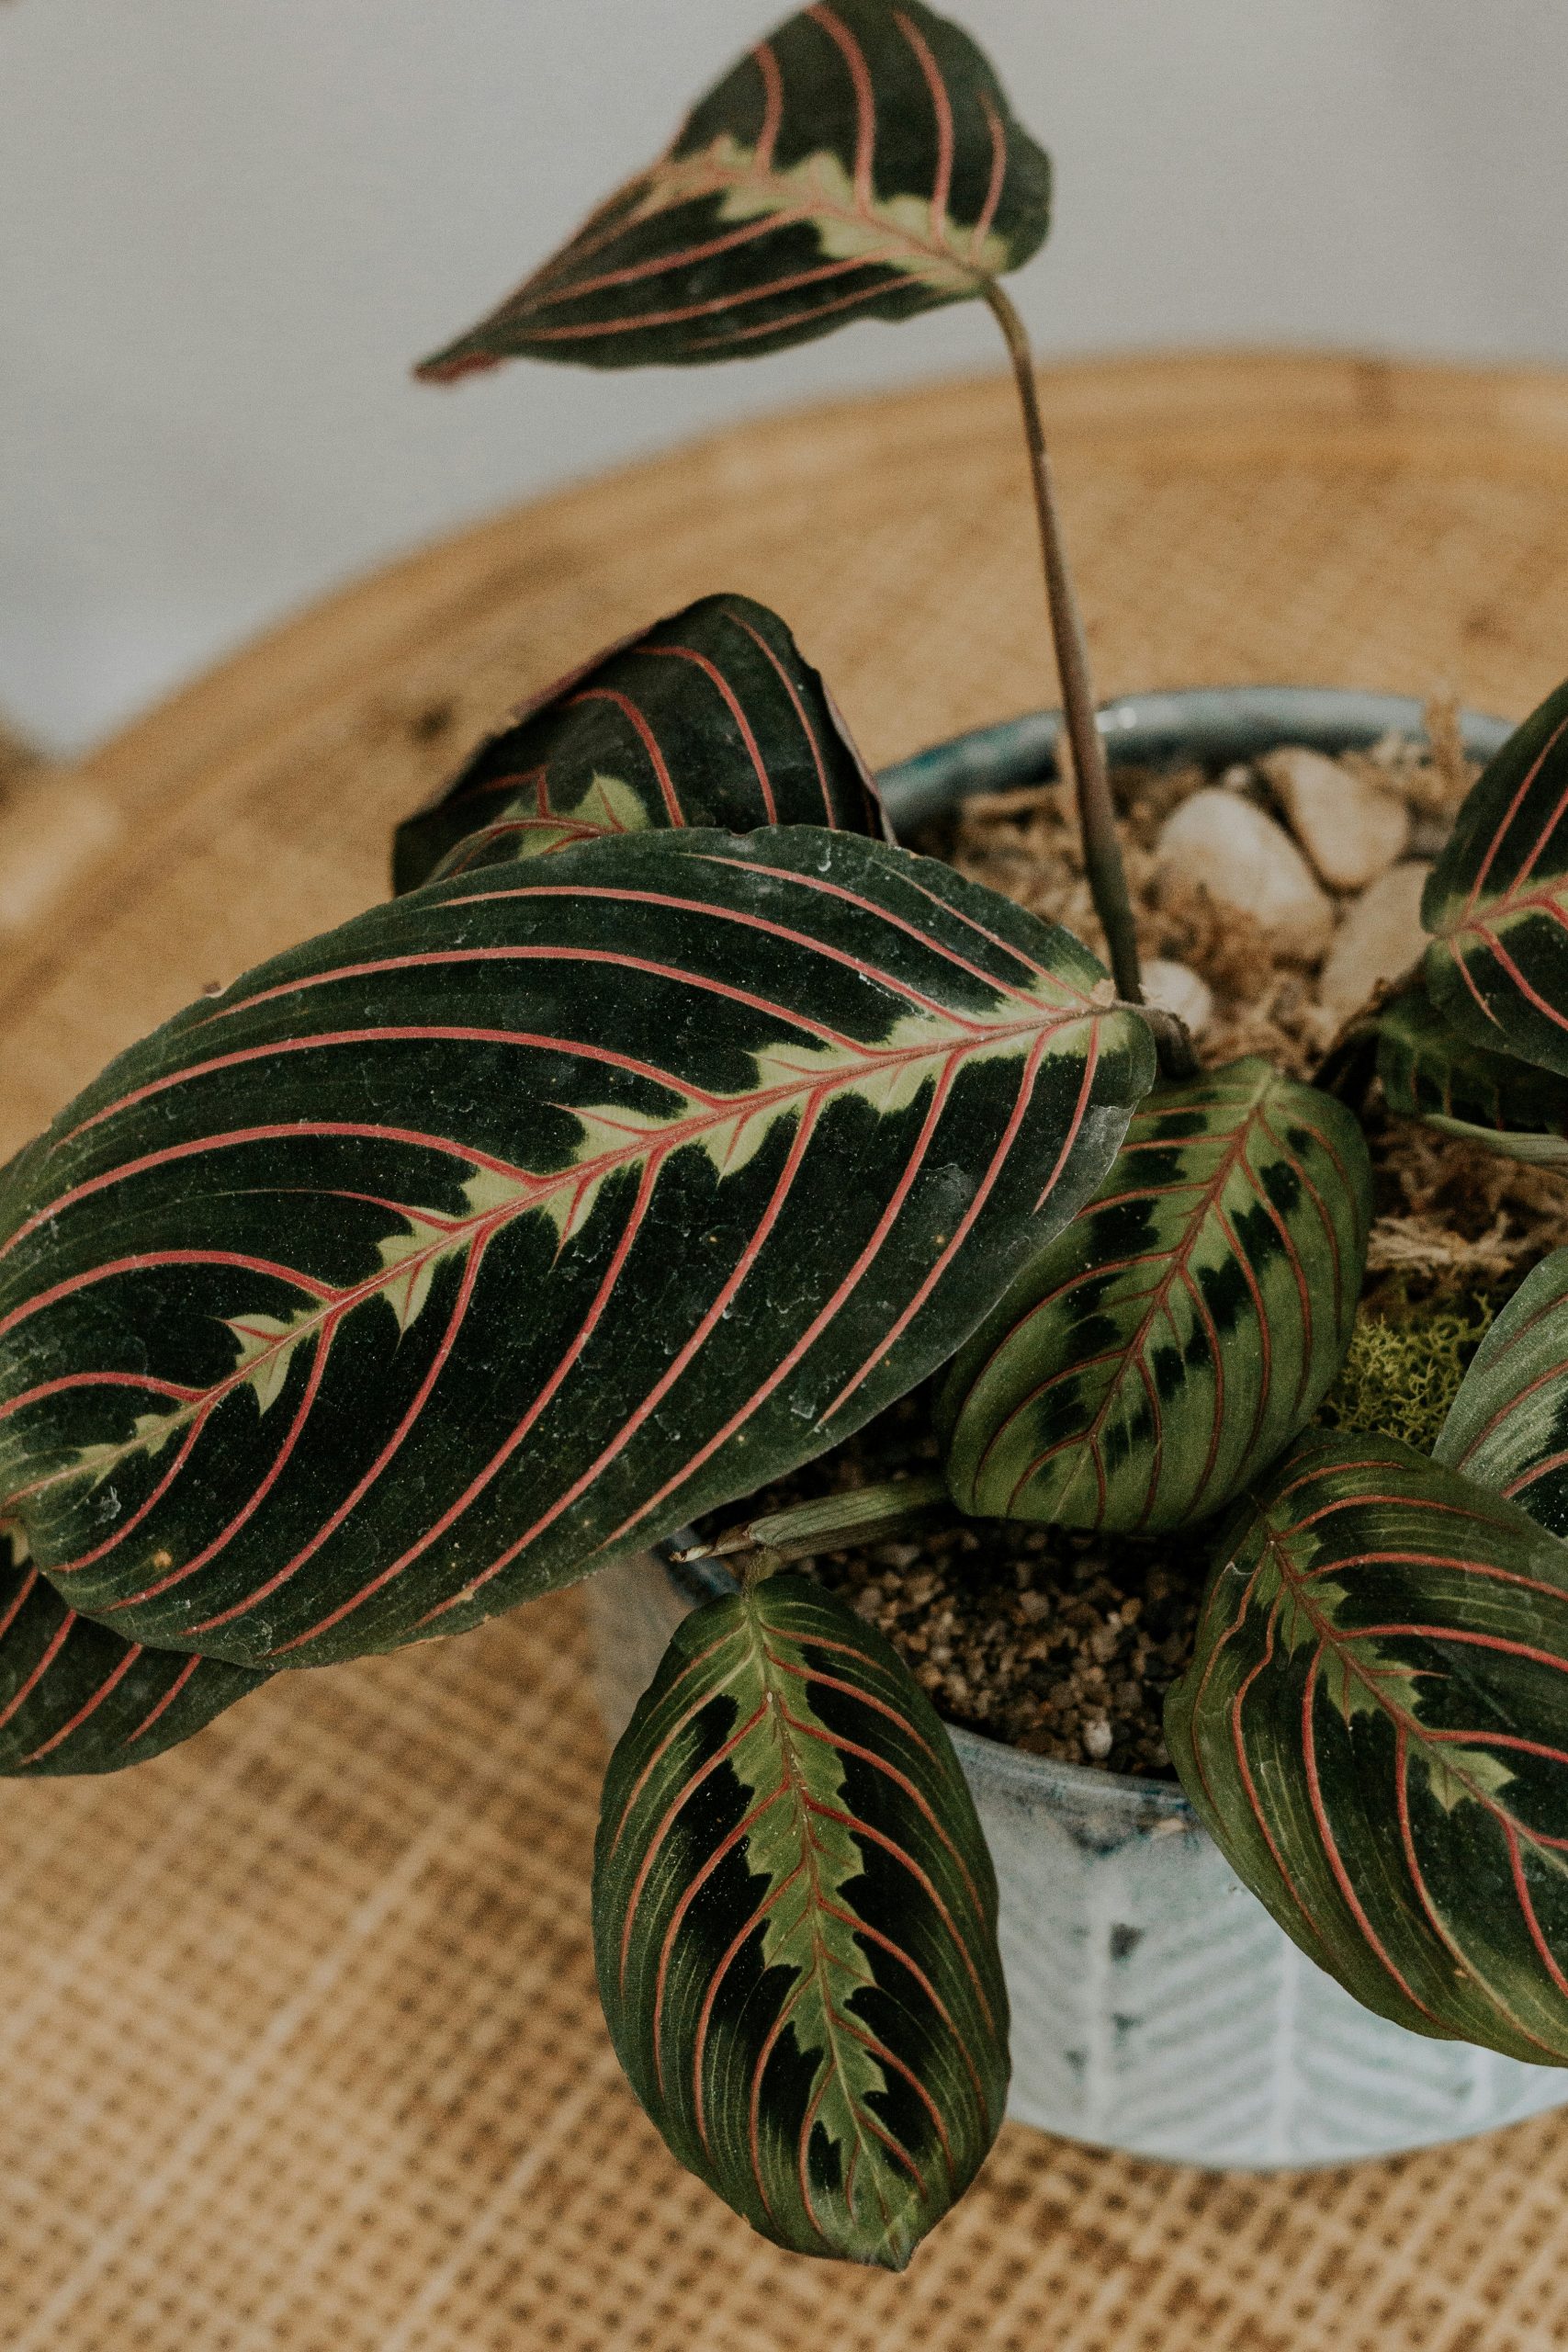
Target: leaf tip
pixel 450 365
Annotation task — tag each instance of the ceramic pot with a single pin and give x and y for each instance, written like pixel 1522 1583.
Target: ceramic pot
pixel 1157 2007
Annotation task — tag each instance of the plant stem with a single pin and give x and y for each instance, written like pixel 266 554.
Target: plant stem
pixel 1097 817
pixel 831 1523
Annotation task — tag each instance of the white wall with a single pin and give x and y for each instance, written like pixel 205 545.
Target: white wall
pixel 227 226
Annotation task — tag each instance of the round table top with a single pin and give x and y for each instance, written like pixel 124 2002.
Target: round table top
pixel 1323 521
pixel 299 2047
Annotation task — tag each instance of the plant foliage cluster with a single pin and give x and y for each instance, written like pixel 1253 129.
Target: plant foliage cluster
pixel 672 1121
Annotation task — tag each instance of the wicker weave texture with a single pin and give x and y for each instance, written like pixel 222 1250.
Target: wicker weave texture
pixel 298 2046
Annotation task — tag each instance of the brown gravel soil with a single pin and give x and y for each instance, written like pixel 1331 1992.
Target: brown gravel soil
pixel 1025 844
pixel 1062 1643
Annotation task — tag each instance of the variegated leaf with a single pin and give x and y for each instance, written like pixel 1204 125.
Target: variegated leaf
pixel 863 161
pixel 796 1924
pixel 1497 900
pixel 712 717
pixel 1162 1349
pixel 1374 1727
pixel 1507 1429
pixel 75 1697
pixel 506 1228
pixel 1432 1073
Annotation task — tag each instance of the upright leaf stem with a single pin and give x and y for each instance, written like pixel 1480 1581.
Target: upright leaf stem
pixel 1101 848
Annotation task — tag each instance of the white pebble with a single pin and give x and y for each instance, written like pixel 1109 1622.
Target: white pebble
pixel 1227 847
pixel 1380 938
pixel 1351 830
pixel 1176 987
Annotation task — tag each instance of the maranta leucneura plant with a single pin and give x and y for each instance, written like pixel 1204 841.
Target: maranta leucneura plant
pixel 672 1121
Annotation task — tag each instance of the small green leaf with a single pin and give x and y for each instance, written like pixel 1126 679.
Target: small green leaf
pixel 795 1929
pixel 1374 1727
pixel 1166 1345
pixel 1432 1073
pixel 1507 1429
pixel 513 1224
pixel 1497 900
pixel 863 161
pixel 851 1518
pixel 76 1698
pixel 711 718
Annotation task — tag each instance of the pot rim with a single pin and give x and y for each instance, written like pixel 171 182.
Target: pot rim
pixel 1220 723
pixel 1217 724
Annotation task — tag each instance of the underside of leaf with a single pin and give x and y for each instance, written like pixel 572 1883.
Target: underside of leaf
pixel 506 1228
pixel 1374 1727
pixel 1432 1073
pixel 1169 1341
pixel 794 1925
pixel 863 161
pixel 711 718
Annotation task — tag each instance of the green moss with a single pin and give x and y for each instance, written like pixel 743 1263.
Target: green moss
pixel 1401 1373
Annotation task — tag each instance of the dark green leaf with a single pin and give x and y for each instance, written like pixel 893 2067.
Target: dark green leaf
pixel 1375 1729
pixel 1497 900
pixel 795 1929
pixel 76 1698
pixel 1165 1346
pixel 510 1225
pixel 1432 1073
pixel 1507 1429
pixel 712 717
pixel 861 162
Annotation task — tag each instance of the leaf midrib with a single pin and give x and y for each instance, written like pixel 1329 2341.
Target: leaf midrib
pixel 714 180
pixel 822 1962
pixel 1405 1725
pixel 1342 1644
pixel 1128 1358
pixel 1488 916
pixel 465 1235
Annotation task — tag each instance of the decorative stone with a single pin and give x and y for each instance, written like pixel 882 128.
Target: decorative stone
pixel 1226 846
pixel 1176 987
pixel 1351 829
pixel 1380 938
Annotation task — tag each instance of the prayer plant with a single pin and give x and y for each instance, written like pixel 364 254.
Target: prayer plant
pixel 671 1122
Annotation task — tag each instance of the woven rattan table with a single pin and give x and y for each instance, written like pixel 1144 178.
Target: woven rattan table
pixel 299 2044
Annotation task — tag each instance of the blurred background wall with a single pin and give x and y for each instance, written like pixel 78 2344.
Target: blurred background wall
pixel 227 227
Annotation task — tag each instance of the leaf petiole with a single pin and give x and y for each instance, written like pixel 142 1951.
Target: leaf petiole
pixel 1096 815
pixel 759 1548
